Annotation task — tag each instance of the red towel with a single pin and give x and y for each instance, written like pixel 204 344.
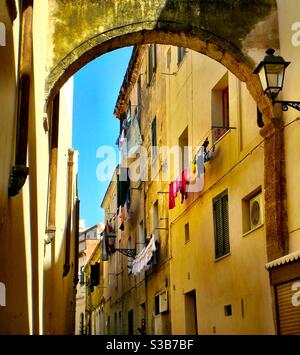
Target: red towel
pixel 171 196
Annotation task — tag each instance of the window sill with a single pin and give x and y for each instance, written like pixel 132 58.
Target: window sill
pixel 252 230
pixel 222 257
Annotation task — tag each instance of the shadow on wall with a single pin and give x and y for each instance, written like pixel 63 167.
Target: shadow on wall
pixel 14 317
pixel 59 297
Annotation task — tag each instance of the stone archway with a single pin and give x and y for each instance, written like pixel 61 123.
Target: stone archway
pixel 235 33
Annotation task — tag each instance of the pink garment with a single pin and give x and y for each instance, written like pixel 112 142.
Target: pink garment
pixel 178 185
pixel 171 195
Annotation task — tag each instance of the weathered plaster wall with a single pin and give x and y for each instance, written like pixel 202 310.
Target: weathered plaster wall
pixel 231 32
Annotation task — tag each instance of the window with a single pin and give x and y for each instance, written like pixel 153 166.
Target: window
pixel 169 59
pixel 81 275
pixel 183 143
pixel 221 224
pixel 187 232
pixel 225 107
pixel 138 109
pixel 155 220
pixel 95 274
pixel 252 210
pixel 154 142
pixel 130 322
pixel 151 62
pixel 180 54
pixel 228 310
pixel 220 108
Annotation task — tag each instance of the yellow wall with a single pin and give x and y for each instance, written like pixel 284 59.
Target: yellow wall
pixel 59 302
pixel 22 218
pixel 15 318
pixel 240 275
pixel 184 99
pixel 178 100
pixel 291 91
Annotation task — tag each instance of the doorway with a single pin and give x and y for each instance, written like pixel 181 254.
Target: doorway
pixel 191 323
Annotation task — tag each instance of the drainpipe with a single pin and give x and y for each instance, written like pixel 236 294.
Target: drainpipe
pixel 51 225
pixel 69 213
pixel 76 269
pixel 20 170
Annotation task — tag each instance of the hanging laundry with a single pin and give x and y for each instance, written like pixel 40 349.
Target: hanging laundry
pixel 122 218
pixel 199 161
pixel 192 174
pixel 178 185
pixel 184 182
pixel 104 246
pixel 172 196
pixel 210 154
pixel 142 259
pixel 123 185
pixel 107 229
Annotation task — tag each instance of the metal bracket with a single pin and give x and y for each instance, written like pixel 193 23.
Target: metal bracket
pixel 286 104
pixel 17 179
pixel 130 253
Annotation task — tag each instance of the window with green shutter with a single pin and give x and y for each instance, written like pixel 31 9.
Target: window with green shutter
pixel 151 62
pixel 153 140
pixel 221 223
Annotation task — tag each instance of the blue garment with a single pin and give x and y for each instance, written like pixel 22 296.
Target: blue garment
pixel 199 159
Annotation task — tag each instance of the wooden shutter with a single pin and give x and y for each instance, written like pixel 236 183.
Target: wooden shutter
pixel 226 245
pixel 149 66
pixel 95 274
pixel 218 228
pixel 225 101
pixel 153 58
pixel 221 223
pixel 287 313
pixel 154 138
pixel 151 62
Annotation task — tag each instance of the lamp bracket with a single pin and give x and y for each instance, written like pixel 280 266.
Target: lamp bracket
pixel 286 104
pixel 130 253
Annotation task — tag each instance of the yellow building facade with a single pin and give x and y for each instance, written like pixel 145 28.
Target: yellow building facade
pixel 214 282
pixel 88 240
pixel 41 46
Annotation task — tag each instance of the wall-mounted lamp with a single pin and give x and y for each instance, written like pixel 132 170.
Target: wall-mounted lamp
pixel 271 74
pixel 111 237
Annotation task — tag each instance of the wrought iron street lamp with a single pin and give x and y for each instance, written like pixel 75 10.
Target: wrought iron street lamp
pixel 271 73
pixel 111 237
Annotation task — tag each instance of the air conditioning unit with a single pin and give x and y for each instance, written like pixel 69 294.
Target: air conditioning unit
pixel 163 302
pixel 256 211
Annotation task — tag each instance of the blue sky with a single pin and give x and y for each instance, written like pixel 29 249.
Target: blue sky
pixel 96 88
